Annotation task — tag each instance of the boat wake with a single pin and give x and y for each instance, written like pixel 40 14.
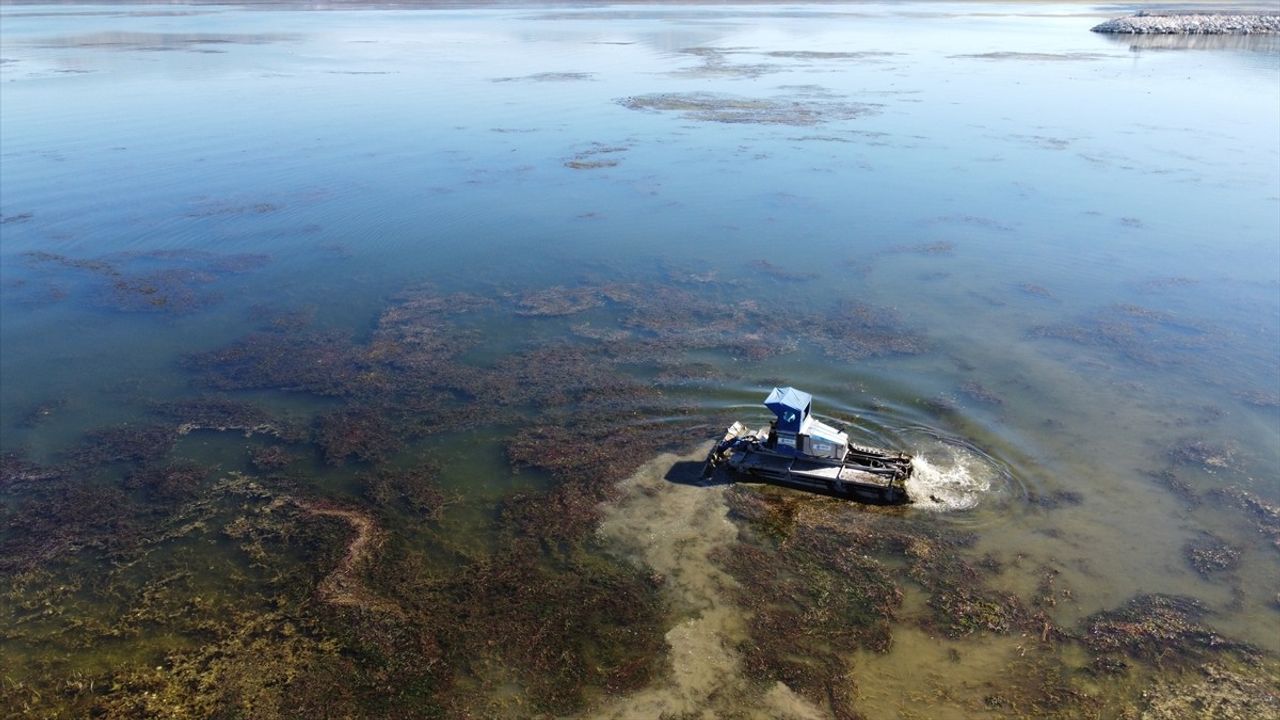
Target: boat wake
pixel 948 477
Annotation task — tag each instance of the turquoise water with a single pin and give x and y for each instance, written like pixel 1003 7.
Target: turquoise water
pixel 986 171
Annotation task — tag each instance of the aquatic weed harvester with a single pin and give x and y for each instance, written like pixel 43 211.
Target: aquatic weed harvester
pixel 799 451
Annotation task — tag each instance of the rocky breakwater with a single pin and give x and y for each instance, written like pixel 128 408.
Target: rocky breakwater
pixel 1192 24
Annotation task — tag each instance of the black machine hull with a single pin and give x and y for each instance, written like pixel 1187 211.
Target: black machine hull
pixel 864 475
pixel 800 451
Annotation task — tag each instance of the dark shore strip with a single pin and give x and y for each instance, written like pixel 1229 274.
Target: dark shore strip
pixel 1191 24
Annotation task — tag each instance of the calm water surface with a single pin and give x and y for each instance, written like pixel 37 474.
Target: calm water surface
pixel 1083 230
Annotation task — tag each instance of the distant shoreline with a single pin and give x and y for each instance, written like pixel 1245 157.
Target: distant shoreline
pixel 1242 9
pixel 1201 6
pixel 1198 23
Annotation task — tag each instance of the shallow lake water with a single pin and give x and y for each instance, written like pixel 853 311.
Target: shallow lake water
pixel 1045 261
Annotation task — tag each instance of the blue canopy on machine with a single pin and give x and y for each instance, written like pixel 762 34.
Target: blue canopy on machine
pixel 791 406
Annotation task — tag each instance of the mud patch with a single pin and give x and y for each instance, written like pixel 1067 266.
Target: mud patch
pixel 674 529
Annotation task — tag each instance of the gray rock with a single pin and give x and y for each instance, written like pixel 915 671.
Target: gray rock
pixel 1191 24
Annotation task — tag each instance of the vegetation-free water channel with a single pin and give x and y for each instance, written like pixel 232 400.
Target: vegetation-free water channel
pixel 346 356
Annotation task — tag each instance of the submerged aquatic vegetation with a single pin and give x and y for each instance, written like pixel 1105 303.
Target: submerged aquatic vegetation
pixel 412 490
pixel 1260 398
pixel 270 458
pixel 821 578
pixel 1144 335
pixel 537 616
pixel 1179 487
pixel 542 594
pixel 937 248
pixel 161 281
pixel 1264 516
pixel 1034 56
pixel 778 272
pixel 549 77
pixel 780 110
pixel 132 444
pixel 367 434
pixel 978 392
pixel 50 514
pixel 1204 454
pixel 1209 554
pixel 1035 290
pixel 168 483
pixel 1212 691
pixel 829 54
pixel 856 330
pixel 597 155
pixel 716 63
pixel 223 414
pixel 316 363
pixel 558 301
pixel 1157 629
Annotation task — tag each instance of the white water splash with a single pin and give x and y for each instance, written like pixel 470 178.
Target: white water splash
pixel 949 477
